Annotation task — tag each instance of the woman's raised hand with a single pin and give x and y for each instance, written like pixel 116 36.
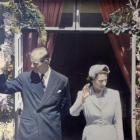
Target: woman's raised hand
pixel 85 91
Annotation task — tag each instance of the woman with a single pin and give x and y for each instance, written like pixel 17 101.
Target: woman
pixel 101 107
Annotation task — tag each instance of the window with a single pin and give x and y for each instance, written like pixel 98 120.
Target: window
pixel 90 15
pixel 80 15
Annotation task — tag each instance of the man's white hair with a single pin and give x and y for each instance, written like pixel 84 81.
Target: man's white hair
pixel 38 53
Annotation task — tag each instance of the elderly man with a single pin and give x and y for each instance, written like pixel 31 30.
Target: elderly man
pixel 46 98
pixel 101 107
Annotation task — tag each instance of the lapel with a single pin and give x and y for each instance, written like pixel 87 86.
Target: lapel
pixel 37 88
pixel 94 99
pixel 51 87
pixel 36 84
pixel 106 98
pixel 95 102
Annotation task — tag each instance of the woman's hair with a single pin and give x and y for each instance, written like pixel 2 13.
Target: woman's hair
pixel 95 70
pixel 90 79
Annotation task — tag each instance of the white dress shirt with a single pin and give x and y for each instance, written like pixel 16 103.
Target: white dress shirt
pixel 46 77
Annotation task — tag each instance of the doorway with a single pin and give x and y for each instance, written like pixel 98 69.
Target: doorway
pixel 74 53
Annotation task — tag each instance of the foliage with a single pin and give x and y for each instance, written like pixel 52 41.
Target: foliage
pixel 7 109
pixel 13 18
pixel 23 15
pixel 121 21
pixel 127 20
pixel 138 87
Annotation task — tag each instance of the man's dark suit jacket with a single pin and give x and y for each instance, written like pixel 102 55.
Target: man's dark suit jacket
pixel 42 110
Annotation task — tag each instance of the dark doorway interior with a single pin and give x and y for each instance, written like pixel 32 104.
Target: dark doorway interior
pixel 74 53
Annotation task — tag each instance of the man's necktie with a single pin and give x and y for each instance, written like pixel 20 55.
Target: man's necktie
pixel 42 80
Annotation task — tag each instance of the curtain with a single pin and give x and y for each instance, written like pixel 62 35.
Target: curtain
pixel 52 10
pixel 29 42
pixel 121 43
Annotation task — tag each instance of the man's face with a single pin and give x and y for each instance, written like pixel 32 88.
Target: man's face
pixel 39 60
pixel 100 82
pixel 40 67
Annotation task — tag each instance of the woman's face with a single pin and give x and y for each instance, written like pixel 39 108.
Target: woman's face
pixel 99 83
